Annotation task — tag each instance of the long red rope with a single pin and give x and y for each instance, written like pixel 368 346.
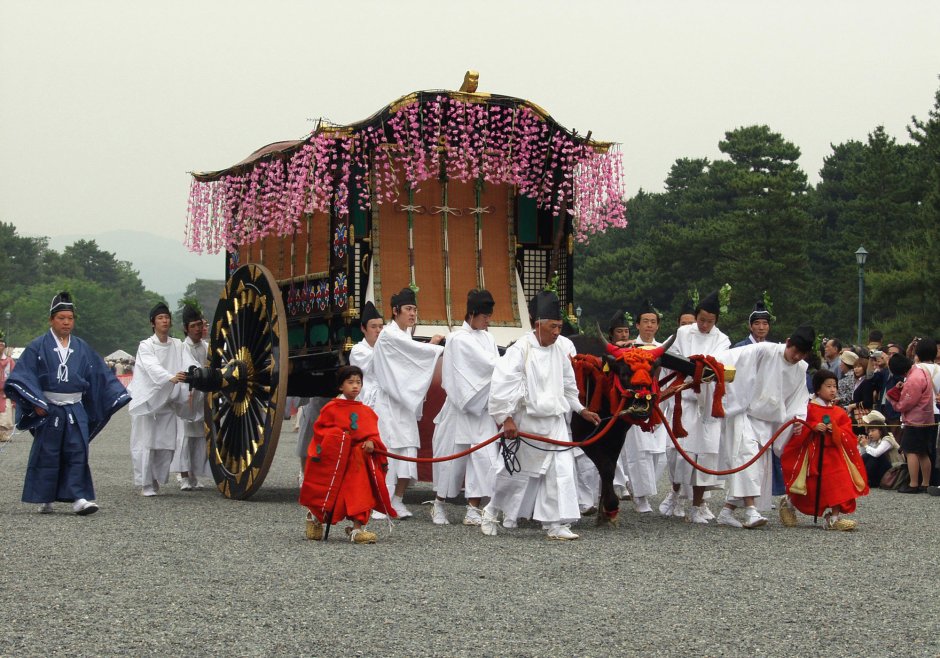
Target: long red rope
pixel 700 362
pixel 463 453
pixel 728 471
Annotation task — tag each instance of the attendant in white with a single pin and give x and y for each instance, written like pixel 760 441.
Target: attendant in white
pixel 644 453
pixel 768 390
pixel 156 396
pixel 673 503
pixel 588 477
pixel 402 369
pixel 533 388
pixel 704 432
pixel 464 421
pixel 759 322
pixel 361 354
pixel 191 459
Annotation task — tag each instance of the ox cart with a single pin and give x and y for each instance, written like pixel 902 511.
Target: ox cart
pixel 442 191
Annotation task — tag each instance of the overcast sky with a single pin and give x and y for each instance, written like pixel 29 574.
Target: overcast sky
pixel 104 106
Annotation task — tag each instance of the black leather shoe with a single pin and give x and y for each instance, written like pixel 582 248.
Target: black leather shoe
pixel 933 491
pixel 908 489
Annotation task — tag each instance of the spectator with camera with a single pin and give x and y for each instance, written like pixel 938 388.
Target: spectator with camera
pixel 878 448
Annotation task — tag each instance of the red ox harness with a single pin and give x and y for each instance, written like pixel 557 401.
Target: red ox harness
pixel 596 381
pixel 594 378
pixel 700 361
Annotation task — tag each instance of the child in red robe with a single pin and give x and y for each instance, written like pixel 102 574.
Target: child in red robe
pixel 344 478
pixel 843 472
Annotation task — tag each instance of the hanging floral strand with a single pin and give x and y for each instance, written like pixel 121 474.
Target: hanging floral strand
pixel 503 142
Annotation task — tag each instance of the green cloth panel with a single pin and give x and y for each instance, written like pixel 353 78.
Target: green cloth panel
pixel 319 333
pixel 295 336
pixel 528 218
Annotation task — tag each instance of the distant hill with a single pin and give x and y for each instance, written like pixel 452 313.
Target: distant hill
pixel 165 265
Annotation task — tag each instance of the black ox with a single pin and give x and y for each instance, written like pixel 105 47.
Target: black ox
pixel 603 388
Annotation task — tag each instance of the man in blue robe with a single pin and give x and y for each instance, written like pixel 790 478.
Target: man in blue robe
pixel 65 395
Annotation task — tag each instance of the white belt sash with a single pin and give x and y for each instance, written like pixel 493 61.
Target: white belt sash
pixel 62 399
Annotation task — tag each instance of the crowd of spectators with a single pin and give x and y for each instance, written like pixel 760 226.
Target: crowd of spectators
pixel 892 394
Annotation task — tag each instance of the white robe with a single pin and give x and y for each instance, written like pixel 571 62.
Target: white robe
pixel 361 356
pixel 643 457
pixel 191 456
pixel 403 369
pixel 153 408
pixel 588 478
pixel 766 392
pixel 704 432
pixel 535 385
pixel 464 421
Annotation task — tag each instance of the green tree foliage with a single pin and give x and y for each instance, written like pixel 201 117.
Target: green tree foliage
pixel 765 230
pixel 750 219
pixel 905 291
pixel 867 196
pixel 112 305
pixel 740 220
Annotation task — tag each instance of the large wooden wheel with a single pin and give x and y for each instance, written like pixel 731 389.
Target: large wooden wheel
pixel 243 417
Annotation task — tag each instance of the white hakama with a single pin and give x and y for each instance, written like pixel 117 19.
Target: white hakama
pixel 464 420
pixel 535 385
pixel 704 432
pixel 191 455
pixel 587 477
pixel 403 370
pixel 153 409
pixel 767 392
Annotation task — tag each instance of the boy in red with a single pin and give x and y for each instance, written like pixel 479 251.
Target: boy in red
pixel 344 477
pixel 843 472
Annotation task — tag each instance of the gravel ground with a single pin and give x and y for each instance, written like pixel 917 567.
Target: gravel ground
pixel 193 573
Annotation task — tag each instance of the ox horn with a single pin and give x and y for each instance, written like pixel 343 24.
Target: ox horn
pixel 659 351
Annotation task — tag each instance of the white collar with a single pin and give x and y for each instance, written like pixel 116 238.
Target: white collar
pixel 58 344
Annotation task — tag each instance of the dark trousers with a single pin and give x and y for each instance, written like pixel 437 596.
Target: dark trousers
pixel 876 467
pixel 778 486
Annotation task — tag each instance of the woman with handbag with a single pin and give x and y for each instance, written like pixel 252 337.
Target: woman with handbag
pixel 914 398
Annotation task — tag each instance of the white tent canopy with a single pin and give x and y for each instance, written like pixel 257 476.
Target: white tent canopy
pixel 119 355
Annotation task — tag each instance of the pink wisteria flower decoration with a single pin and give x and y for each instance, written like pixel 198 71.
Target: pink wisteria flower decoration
pixel 498 143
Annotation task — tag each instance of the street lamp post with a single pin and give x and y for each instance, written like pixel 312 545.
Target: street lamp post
pixel 860 257
pixel 577 313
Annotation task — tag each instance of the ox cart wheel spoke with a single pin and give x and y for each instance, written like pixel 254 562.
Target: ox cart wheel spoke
pixel 244 415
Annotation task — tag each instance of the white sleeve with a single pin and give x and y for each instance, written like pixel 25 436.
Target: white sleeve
pixel 508 385
pixel 882 447
pixel 571 387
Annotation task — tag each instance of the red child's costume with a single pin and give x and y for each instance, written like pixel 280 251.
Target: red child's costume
pixel 843 472
pixel 341 480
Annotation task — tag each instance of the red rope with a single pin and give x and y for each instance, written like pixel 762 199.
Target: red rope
pixel 588 368
pixel 729 471
pixel 463 453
